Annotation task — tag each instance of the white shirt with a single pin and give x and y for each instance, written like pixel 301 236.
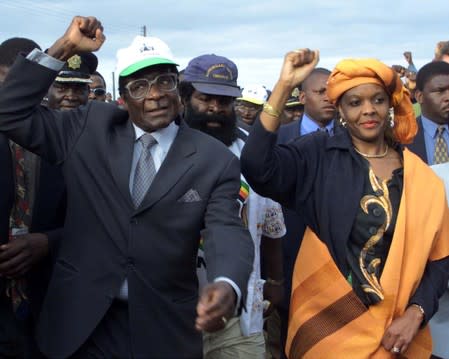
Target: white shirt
pixel 263 217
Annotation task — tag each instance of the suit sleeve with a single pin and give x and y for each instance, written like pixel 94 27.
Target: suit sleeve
pixel 6 188
pixel 284 173
pixel 228 247
pixel 434 282
pixel 48 133
pixel 432 286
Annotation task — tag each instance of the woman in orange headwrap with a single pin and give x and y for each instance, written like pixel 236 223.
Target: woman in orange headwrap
pixel 375 257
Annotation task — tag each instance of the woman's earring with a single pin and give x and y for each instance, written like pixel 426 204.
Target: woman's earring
pixel 391 118
pixel 342 122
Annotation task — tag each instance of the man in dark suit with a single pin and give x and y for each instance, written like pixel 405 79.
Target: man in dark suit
pixel 141 190
pixel 432 93
pixel 319 115
pixel 432 83
pixel 16 256
pixel 29 254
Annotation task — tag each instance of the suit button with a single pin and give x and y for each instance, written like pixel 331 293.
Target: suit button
pixel 377 212
pixel 133 221
pixel 372 231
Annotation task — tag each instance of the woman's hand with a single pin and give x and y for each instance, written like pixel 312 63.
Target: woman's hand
pixel 298 64
pixel 402 330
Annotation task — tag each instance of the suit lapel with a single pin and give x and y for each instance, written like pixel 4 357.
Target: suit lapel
pixel 121 147
pixel 178 161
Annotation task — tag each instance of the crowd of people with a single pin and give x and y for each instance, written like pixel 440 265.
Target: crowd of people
pixel 194 218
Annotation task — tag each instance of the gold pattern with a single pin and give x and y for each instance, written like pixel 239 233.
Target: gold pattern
pixel 382 200
pixel 74 62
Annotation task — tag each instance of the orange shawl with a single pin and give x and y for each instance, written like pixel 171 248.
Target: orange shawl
pixel 328 320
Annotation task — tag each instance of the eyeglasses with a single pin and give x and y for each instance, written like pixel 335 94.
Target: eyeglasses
pixel 99 91
pixel 249 108
pixel 138 89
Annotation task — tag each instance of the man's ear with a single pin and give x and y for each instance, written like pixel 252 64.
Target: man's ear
pixel 125 101
pixel 302 97
pixel 419 96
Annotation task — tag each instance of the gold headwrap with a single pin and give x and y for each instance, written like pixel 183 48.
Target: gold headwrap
pixel 350 73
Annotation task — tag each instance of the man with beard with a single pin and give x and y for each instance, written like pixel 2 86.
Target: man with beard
pixel 208 91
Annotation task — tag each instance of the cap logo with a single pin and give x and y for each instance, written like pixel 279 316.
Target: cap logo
pixel 74 62
pixel 146 48
pixel 219 76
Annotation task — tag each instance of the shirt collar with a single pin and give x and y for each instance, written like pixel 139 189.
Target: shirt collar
pixel 430 127
pixel 308 125
pixel 163 136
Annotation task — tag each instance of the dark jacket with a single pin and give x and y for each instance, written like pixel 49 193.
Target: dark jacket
pixel 418 146
pixel 6 194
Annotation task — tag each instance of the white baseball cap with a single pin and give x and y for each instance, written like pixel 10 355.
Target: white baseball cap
pixel 256 94
pixel 143 52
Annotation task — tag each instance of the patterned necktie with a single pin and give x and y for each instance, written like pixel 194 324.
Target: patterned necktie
pixel 19 222
pixel 441 154
pixel 145 170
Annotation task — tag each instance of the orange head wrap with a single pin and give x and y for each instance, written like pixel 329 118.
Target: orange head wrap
pixel 351 73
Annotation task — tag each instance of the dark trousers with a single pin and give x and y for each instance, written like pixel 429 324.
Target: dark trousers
pixel 111 338
pixel 15 335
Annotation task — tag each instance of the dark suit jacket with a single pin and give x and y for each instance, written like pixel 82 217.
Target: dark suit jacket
pixel 6 194
pixel 48 216
pixel 7 188
pixel 107 240
pixel 418 146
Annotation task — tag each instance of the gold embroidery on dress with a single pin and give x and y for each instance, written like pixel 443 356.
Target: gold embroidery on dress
pixel 382 200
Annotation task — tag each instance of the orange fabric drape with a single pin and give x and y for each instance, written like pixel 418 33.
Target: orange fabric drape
pixel 327 320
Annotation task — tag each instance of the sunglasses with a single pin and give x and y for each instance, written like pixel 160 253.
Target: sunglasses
pixel 98 91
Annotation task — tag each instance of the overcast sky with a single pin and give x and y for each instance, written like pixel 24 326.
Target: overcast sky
pixel 254 34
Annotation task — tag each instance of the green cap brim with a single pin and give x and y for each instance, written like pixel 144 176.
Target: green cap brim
pixel 146 63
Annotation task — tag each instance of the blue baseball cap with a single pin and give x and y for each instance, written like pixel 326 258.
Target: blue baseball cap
pixel 213 75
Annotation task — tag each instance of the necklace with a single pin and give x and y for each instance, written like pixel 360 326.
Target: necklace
pixel 382 155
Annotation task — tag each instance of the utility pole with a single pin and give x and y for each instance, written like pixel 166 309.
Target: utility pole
pixel 113 85
pixel 144 30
